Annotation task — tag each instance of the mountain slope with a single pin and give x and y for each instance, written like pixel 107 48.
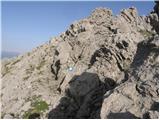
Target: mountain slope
pixel 103 66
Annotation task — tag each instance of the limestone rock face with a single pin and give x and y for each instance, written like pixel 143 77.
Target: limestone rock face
pixel 138 96
pixel 103 66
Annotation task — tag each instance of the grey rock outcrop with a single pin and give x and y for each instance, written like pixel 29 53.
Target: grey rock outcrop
pixel 138 96
pixel 103 66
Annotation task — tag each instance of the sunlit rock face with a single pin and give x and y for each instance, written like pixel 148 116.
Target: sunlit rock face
pixel 103 66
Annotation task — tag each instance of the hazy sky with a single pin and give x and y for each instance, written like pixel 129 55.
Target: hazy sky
pixel 26 25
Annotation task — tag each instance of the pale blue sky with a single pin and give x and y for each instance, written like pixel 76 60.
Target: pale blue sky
pixel 26 25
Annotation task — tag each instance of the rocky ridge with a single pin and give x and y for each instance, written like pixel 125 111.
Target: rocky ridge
pixel 103 66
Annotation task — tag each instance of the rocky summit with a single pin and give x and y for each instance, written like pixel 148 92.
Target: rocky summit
pixel 103 66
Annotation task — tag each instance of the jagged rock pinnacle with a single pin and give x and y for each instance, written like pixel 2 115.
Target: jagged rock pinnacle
pixel 103 66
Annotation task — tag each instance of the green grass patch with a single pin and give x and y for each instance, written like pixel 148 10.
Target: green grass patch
pixel 28 113
pixel 38 106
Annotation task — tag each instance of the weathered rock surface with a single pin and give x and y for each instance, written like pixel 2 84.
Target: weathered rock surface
pixel 103 66
pixel 138 96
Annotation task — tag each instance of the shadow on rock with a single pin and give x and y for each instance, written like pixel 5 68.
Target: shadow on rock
pixel 144 49
pixel 124 115
pixel 83 98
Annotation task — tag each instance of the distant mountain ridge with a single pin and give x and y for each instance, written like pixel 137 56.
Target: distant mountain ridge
pixel 8 54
